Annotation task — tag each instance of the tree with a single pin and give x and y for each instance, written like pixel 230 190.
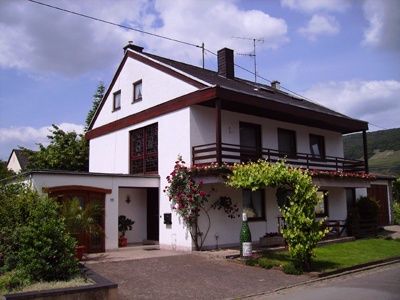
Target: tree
pixel 302 231
pixel 4 172
pixel 97 97
pixel 67 151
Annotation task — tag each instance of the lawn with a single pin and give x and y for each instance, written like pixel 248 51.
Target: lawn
pixel 338 256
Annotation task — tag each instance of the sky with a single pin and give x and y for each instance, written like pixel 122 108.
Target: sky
pixel 340 53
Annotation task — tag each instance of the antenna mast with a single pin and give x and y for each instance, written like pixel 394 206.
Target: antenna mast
pixel 252 54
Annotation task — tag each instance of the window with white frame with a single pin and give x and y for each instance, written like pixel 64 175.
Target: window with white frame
pixel 137 91
pixel 117 100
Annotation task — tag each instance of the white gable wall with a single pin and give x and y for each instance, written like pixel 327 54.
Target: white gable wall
pixel 157 87
pixel 13 163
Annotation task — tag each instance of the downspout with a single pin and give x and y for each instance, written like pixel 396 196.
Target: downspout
pixel 364 134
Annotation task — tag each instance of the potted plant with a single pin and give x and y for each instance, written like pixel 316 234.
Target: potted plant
pixel 81 221
pixel 124 224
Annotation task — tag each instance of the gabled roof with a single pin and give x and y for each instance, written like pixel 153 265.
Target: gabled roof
pixel 22 158
pixel 240 88
pixel 244 86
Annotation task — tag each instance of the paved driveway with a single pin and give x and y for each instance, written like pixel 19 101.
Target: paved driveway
pixel 193 276
pixel 377 284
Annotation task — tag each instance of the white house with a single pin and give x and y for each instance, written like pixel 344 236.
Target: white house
pixel 156 109
pixel 17 161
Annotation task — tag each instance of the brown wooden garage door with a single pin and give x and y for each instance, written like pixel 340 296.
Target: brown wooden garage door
pixel 380 194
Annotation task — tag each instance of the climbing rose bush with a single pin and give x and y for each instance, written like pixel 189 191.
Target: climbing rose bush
pixel 189 200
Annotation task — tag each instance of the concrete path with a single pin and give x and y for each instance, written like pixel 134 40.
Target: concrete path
pixel 130 253
pixel 190 276
pixel 393 231
pixel 381 283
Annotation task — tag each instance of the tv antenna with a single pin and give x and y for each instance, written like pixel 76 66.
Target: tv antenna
pixel 251 54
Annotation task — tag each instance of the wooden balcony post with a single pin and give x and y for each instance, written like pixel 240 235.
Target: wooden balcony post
pixel 364 134
pixel 218 135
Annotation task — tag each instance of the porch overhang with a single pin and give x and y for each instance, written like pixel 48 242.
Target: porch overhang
pixel 341 182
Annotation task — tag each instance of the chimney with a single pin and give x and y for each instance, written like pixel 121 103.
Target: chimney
pixel 226 66
pixel 133 47
pixel 276 84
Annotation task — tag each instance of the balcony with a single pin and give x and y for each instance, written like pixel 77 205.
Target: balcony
pixel 231 153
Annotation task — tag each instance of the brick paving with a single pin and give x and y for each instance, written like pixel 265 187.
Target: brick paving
pixel 190 276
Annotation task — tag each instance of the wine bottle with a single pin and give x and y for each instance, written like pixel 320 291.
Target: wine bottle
pixel 245 238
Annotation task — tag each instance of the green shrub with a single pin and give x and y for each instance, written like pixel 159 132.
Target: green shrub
pixel 265 263
pixel 396 212
pixel 46 250
pixel 33 239
pixel 290 268
pixel 251 262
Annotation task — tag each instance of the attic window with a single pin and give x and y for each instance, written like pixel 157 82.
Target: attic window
pixel 117 100
pixel 137 91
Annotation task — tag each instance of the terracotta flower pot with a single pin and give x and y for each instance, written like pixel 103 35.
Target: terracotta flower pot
pixel 79 250
pixel 122 241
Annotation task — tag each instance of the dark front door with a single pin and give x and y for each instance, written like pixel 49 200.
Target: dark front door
pixel 153 218
pixel 250 142
pixel 379 193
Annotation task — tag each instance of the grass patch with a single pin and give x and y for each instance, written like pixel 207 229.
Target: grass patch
pixel 343 255
pixel 41 286
pixel 336 256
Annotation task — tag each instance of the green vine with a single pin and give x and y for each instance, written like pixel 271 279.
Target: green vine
pixel 302 231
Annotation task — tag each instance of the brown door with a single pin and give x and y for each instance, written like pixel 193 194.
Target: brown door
pixel 153 218
pixel 380 194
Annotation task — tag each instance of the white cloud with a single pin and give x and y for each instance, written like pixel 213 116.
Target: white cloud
pixel 373 101
pixel 311 6
pixel 384 24
pixel 42 40
pixel 320 25
pixel 215 23
pixel 29 137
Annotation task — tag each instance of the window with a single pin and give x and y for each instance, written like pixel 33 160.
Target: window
pixel 254 205
pixel 317 146
pixel 321 210
pixel 250 141
pixel 287 142
pixel 144 150
pixel 117 100
pixel 137 91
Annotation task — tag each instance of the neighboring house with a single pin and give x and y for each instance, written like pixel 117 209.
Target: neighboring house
pixel 156 109
pixel 17 161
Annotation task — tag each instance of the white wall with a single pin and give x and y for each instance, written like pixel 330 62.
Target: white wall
pixel 337 204
pixel 227 229
pixel 110 154
pixel 39 181
pixel 157 87
pixel 136 210
pixel 203 131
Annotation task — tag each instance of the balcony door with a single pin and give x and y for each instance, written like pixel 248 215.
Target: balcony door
pixel 250 142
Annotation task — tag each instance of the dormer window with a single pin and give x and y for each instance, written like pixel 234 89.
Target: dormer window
pixel 137 91
pixel 117 100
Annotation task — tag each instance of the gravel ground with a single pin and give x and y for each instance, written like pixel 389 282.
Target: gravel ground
pixel 191 276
